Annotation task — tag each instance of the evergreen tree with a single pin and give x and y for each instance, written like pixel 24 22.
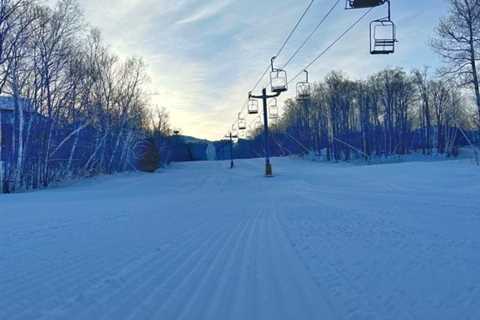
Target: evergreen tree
pixel 150 160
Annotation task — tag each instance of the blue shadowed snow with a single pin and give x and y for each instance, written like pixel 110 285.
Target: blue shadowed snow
pixel 200 241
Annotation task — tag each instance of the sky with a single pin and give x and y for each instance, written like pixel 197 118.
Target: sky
pixel 203 56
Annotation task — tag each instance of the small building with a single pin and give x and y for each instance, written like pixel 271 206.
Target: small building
pixel 7 108
pixel 7 119
pixel 7 125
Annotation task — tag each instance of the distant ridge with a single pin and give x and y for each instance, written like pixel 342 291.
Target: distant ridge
pixel 190 139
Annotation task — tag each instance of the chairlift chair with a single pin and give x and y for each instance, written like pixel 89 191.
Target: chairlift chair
pixel 278 79
pixel 241 116
pixel 382 36
pixel 253 127
pixel 361 4
pixel 234 135
pixel 273 110
pixel 274 113
pixel 258 124
pixel 242 125
pixel 231 135
pixel 252 106
pixel 235 129
pixel 382 31
pixel 304 89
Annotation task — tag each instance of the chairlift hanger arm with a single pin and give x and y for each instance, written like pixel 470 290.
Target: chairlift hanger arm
pixel 389 5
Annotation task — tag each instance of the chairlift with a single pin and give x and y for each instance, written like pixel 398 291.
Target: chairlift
pixel 273 109
pixel 304 89
pixel 241 116
pixel 235 129
pixel 258 122
pixel 382 36
pixel 242 125
pixel 278 79
pixel 234 135
pixel 252 106
pixel 361 4
pixel 382 31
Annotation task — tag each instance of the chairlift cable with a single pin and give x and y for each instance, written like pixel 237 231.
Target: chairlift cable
pixel 350 28
pixel 282 47
pixel 297 142
pixel 282 148
pixel 309 37
pixel 261 78
pixel 279 52
pixel 285 42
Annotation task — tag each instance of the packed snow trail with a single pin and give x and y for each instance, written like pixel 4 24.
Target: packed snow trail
pixel 202 242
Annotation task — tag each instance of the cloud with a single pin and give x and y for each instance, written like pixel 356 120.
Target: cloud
pixel 208 11
pixel 203 56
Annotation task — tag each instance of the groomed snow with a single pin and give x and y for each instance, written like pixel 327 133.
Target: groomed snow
pixel 201 242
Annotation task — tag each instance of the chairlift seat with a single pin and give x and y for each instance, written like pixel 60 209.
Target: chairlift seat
pixel 273 112
pixel 273 109
pixel 278 81
pixel 279 89
pixel 303 97
pixel 304 91
pixel 380 52
pixel 383 46
pixel 242 125
pixel 253 107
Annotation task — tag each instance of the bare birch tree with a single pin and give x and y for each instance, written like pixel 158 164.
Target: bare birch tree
pixel 457 41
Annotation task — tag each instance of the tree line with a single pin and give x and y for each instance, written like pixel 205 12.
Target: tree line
pixel 393 111
pixel 76 109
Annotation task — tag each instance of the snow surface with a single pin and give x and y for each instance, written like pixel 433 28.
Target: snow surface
pixel 199 241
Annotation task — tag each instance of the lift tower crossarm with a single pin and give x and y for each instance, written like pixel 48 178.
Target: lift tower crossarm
pixel 275 95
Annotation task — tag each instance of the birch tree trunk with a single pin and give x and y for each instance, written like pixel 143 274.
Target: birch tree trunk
pixel 19 164
pixel 72 154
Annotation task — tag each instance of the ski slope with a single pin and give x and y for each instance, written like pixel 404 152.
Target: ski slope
pixel 201 242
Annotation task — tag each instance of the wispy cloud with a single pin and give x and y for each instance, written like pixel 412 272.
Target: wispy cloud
pixel 207 11
pixel 204 55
